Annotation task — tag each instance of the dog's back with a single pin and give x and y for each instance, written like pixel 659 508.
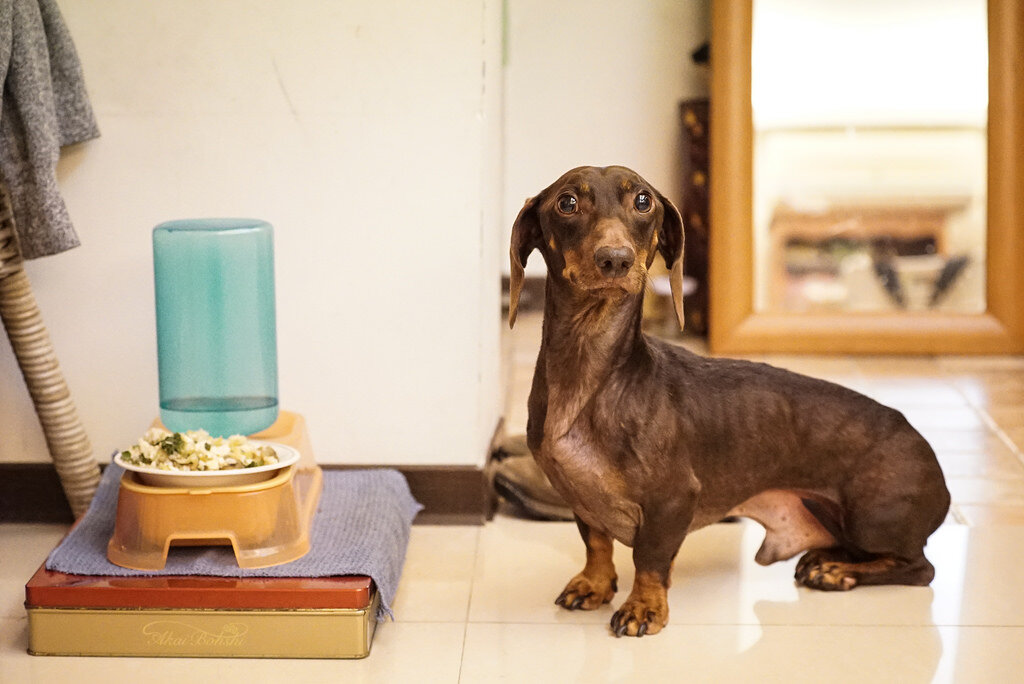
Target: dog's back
pixel 746 425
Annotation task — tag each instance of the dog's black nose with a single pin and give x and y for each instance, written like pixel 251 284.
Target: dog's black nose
pixel 614 262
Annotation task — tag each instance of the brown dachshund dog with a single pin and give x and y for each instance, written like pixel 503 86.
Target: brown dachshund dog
pixel 648 442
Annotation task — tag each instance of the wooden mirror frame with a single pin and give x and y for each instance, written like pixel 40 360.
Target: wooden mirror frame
pixel 735 326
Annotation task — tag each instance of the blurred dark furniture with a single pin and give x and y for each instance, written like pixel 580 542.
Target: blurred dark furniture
pixel 694 118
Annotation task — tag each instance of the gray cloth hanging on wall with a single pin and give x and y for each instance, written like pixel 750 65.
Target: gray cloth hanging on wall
pixel 43 106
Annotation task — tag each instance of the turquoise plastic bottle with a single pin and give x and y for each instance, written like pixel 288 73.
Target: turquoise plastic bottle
pixel 216 325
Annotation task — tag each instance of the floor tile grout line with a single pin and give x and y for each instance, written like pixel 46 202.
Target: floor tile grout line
pixel 469 601
pixel 1001 434
pixel 986 418
pixel 958 515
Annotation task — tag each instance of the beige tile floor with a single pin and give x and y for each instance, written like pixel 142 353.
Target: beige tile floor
pixel 475 603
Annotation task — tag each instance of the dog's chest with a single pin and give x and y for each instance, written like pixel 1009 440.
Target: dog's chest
pixel 596 491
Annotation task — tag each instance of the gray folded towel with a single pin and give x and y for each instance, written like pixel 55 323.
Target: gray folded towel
pixel 361 527
pixel 43 106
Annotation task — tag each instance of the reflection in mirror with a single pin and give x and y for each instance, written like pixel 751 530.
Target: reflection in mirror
pixel 869 155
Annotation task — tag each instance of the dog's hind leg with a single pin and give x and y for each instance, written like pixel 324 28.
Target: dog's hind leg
pixel 881 544
pixel 891 506
pixel 597 583
pixel 835 570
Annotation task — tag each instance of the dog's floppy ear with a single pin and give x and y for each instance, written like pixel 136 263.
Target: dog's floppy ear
pixel 670 244
pixel 526 236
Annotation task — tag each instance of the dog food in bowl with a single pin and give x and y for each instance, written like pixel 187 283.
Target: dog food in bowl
pixel 194 458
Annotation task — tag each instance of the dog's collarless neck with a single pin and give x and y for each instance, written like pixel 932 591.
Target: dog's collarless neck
pixel 584 340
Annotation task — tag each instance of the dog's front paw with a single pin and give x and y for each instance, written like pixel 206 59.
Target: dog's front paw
pixel 645 611
pixel 637 617
pixel 587 593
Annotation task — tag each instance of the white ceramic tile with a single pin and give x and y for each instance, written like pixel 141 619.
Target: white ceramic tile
pixel 945 418
pixel 1007 416
pixel 965 591
pixel 995 394
pixel 731 620
pixel 989 443
pixel 835 368
pixel 401 652
pixel 998 514
pixel 962 440
pixel 912 393
pixel 438 574
pixel 899 366
pixel 978 490
pixel 996 464
pixel 567 653
pixel 967 364
pixel 1015 438
pixel 522 567
pixel 23 548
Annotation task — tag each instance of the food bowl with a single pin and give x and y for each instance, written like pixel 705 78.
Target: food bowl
pixel 197 479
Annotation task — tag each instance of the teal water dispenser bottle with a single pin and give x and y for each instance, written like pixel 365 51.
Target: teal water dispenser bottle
pixel 215 322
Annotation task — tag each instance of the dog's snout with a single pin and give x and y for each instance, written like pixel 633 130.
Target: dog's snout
pixel 614 262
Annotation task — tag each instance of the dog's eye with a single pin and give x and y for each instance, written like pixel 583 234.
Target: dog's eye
pixel 567 204
pixel 642 202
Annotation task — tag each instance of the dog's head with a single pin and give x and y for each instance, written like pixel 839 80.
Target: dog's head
pixel 598 230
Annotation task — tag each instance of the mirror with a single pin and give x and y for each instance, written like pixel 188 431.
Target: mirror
pixel 869 155
pixel 864 176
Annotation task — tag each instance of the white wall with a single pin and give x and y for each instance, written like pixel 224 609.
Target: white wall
pixel 597 83
pixel 368 134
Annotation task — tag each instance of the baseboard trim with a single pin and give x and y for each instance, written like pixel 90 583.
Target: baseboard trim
pixel 451 495
pixel 31 492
